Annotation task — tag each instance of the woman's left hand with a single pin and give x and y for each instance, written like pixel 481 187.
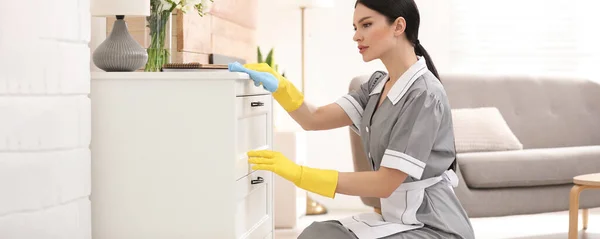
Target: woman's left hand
pixel 319 181
pixel 275 162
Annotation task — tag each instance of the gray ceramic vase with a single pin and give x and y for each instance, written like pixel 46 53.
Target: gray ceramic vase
pixel 120 52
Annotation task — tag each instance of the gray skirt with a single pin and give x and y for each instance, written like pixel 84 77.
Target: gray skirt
pixel 334 230
pixel 441 212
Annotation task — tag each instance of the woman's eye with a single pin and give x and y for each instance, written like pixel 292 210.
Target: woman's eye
pixel 365 25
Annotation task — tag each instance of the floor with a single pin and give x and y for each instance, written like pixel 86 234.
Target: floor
pixel 538 226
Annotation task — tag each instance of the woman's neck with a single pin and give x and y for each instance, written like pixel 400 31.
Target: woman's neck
pixel 398 61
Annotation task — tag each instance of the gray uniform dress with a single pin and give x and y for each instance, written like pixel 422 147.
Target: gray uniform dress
pixel 410 131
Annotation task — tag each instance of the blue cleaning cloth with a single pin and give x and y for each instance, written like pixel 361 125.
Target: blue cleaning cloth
pixel 267 80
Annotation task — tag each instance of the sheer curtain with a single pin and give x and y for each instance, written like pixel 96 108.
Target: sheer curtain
pixel 524 37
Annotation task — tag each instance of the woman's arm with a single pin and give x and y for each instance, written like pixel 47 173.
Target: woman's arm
pixel 292 100
pixel 327 182
pixel 379 184
pixel 326 117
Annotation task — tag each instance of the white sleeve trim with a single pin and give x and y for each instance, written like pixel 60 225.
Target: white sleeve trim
pixel 355 129
pixel 403 162
pixel 352 108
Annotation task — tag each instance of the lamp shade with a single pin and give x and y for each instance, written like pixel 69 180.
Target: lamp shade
pixel 103 8
pixel 316 3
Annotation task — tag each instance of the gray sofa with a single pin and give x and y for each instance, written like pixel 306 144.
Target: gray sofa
pixel 556 120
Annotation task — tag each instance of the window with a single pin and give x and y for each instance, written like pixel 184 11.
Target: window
pixel 524 37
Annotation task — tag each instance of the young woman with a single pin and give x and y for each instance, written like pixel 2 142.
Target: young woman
pixel 403 117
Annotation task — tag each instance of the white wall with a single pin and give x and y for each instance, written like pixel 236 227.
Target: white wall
pixel 331 61
pixel 45 119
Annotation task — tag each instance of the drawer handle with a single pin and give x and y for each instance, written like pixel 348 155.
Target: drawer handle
pixel 256 104
pixel 258 180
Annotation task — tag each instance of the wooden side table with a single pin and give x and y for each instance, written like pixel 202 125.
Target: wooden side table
pixel 582 182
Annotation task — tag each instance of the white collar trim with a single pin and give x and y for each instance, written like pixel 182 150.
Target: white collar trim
pixel 404 82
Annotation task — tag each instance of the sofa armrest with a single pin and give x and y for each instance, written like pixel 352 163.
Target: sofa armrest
pixel 357 82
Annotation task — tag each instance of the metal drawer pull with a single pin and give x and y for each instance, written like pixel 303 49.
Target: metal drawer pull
pixel 257 180
pixel 256 104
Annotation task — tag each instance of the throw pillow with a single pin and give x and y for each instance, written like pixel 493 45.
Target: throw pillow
pixel 482 129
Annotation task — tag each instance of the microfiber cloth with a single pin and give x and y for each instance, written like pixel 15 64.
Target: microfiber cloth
pixel 268 81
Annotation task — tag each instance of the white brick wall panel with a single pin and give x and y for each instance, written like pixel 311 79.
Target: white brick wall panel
pixel 74 73
pixel 58 19
pixel 65 68
pixel 45 170
pixel 27 25
pixel 46 27
pixel 51 68
pixel 38 55
pixel 85 122
pixel 44 66
pixel 69 221
pixel 38 52
pixel 32 123
pixel 85 24
pixel 37 180
pixel 17 63
pixel 26 79
pixel 13 38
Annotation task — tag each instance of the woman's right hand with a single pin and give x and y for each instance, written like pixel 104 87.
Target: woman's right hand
pixel 292 100
pixel 259 73
pixel 283 90
pixel 264 67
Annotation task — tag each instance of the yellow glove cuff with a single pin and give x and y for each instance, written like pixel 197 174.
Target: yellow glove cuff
pixel 288 96
pixel 319 181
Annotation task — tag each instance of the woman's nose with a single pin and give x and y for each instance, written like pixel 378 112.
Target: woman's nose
pixel 356 37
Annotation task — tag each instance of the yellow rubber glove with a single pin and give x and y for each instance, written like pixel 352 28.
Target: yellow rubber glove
pixel 319 181
pixel 286 94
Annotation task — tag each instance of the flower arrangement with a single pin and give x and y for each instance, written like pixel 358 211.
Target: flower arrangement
pixel 160 12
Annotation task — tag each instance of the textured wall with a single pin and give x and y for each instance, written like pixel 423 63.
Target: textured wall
pixel 45 120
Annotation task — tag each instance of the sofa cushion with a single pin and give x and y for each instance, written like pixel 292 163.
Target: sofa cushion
pixel 482 129
pixel 529 167
pixel 533 107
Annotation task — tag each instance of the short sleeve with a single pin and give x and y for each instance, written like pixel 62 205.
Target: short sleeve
pixel 413 135
pixel 354 103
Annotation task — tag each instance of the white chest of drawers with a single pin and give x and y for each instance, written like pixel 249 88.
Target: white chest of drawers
pixel 169 156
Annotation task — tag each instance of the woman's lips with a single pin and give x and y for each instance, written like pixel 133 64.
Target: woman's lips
pixel 362 49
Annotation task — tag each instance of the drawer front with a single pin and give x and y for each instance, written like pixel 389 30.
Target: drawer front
pixel 245 87
pixel 254 205
pixel 253 129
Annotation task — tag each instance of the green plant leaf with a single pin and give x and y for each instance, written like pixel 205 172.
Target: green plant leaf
pixel 260 58
pixel 269 59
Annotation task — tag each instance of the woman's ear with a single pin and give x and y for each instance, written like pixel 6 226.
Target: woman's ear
pixel 399 26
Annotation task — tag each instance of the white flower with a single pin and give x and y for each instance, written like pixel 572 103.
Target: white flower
pixel 206 5
pixel 193 2
pixel 187 8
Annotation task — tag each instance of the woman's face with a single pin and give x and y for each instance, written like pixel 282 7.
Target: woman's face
pixel 373 33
